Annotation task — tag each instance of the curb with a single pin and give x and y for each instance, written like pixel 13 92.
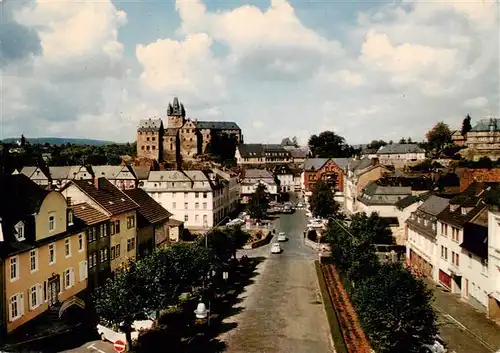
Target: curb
pixel 331 313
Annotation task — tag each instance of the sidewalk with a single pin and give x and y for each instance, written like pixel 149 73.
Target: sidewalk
pixel 475 321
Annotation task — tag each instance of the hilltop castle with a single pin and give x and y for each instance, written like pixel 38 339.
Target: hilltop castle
pixel 182 139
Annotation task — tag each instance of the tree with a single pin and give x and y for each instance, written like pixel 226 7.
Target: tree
pixel 259 202
pixel 394 309
pixel 402 141
pixel 121 299
pixel 222 147
pixel 466 125
pixel 372 228
pixel 322 202
pixel 409 140
pixel 438 137
pixel 238 237
pixel 376 144
pixel 295 142
pixel 328 145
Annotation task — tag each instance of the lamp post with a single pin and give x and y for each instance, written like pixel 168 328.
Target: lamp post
pixel 202 312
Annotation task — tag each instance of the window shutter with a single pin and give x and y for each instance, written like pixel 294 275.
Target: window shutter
pixel 21 303
pixel 80 271
pixel 71 276
pixel 10 309
pixel 30 306
pixel 86 269
pixel 39 294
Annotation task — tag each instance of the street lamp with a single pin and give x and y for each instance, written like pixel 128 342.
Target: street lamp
pixel 202 312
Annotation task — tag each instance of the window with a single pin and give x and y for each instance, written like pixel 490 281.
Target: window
pixel 44 291
pixel 457 259
pixel 197 195
pixel 14 268
pixel 112 228
pixel 185 205
pixel 130 244
pixel 186 218
pixel 173 205
pixel 52 254
pixel 197 218
pixel 204 195
pixel 69 278
pixel 113 253
pixel 91 236
pixel 92 259
pixel 455 234
pixel 204 205
pixel 117 250
pixel 19 231
pixel 444 252
pixel 103 231
pixel 16 306
pixel 35 299
pixel 426 222
pixel 67 248
pixel 52 223
pixel 70 218
pixel 117 227
pixel 185 194
pixel 33 260
pixel 103 255
pixel 80 243
pixel 197 205
pixel 130 222
pixel 205 218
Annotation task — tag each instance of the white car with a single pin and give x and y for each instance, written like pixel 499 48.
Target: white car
pixel 300 205
pixel 109 334
pixel 281 236
pixel 275 248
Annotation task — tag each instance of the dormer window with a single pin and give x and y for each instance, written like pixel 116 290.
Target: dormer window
pixel 52 223
pixel 19 227
pixel 70 218
pixel 464 211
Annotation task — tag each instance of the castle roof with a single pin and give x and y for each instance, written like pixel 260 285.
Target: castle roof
pixel 217 125
pixel 150 125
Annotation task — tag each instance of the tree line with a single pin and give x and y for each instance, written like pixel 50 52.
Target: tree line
pixel 156 282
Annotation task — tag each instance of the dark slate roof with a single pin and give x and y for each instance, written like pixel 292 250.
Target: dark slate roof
pixel 434 205
pixel 484 125
pixel 456 218
pixel 400 148
pixel 282 170
pixel 314 163
pixel 19 196
pixel 476 239
pixel 151 210
pixel 298 152
pixel 107 195
pixel 150 125
pixel 141 172
pixel 217 125
pixel 407 201
pixel 369 151
pixel 88 214
pixel 287 142
pixel 257 150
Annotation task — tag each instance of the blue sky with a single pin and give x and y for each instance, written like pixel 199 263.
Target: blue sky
pixel 366 70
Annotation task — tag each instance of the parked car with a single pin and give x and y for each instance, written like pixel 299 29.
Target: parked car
pixel 114 334
pixel 275 248
pixel 281 236
pixel 437 347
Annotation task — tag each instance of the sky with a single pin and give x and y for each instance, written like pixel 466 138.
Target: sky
pixel 363 69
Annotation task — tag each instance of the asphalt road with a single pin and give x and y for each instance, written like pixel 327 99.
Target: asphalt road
pixel 282 311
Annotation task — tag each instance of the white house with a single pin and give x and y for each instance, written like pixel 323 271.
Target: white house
pixel 494 262
pixel 36 174
pixel 234 189
pixel 61 175
pixel 255 177
pixel 382 199
pixel 198 198
pixel 286 178
pixel 121 176
pixel 421 234
pixel 399 155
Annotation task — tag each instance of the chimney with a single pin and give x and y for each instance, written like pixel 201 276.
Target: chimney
pixel 68 201
pixel 96 182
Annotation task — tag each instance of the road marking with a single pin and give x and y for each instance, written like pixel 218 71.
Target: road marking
pixel 92 346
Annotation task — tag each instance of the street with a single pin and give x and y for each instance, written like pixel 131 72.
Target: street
pixel 282 310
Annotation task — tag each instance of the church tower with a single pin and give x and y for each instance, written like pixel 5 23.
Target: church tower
pixel 176 114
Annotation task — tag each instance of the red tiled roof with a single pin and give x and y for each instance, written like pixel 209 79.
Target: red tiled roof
pixel 151 210
pixel 88 214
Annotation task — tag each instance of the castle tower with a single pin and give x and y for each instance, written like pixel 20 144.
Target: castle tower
pixel 149 139
pixel 176 114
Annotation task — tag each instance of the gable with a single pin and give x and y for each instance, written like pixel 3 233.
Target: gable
pixel 330 166
pixel 189 125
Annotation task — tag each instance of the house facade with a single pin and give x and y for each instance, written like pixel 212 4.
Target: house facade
pixel 98 243
pixel 114 203
pixel 494 262
pixel 483 140
pixel 255 177
pixel 400 155
pixel 197 198
pixel 358 174
pixel 121 176
pixel 60 176
pixel 421 235
pixel 330 170
pixel 234 189
pixel 43 253
pixel 152 223
pixel 257 155
pixel 36 174
pixel 285 176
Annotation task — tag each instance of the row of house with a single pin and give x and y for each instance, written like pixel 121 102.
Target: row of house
pixel 57 246
pixel 456 243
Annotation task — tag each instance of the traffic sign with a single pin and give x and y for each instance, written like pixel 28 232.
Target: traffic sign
pixel 120 346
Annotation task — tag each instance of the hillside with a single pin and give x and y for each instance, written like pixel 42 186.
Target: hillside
pixel 62 140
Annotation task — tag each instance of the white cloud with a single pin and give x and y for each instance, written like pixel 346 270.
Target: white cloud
pixel 398 64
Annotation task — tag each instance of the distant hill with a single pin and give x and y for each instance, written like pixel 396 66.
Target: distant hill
pixel 63 140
